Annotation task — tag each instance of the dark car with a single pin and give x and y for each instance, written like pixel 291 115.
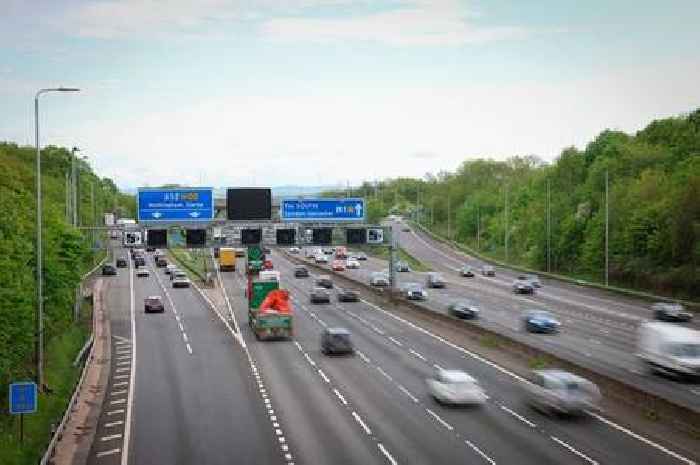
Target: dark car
pixel 435 280
pixel 463 310
pixel 139 261
pixel 413 291
pixel 319 295
pixel 406 229
pixel 523 287
pixel 671 312
pixel 153 303
pixel 360 256
pixel 301 272
pixel 336 341
pixel 216 252
pixel 109 270
pixel 540 321
pixel 161 262
pixel 328 250
pixel 324 281
pixel 466 271
pixel 121 263
pixel 150 249
pixel 348 295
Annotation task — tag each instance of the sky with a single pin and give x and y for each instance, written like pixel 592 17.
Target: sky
pixel 329 92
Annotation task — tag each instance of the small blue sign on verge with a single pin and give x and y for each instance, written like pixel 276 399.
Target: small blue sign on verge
pixel 23 398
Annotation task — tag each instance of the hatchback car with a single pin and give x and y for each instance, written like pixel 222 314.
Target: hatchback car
pixel 523 287
pixel 402 267
pixel 143 273
pixel 181 282
pixel 435 280
pixel 301 271
pixel 466 271
pixel 121 262
pixel 319 295
pixel 324 281
pixel 348 295
pixel 338 265
pixel 153 303
pixel 413 291
pixel 456 388
pixel 109 270
pixel 487 270
pixel 540 321
pixel 378 279
pixel 561 392
pixel 671 312
pixel 352 264
pixel 336 341
pixel 463 310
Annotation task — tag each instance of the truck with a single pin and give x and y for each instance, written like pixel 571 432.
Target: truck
pixel 669 348
pixel 270 314
pixel 227 259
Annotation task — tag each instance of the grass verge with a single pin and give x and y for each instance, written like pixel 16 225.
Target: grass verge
pixel 197 262
pixel 60 377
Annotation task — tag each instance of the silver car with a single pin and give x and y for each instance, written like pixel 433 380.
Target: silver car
pixel 561 392
pixel 456 388
pixel 378 279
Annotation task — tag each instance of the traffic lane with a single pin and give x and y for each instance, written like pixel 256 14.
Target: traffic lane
pixel 384 372
pixel 321 429
pixel 584 436
pixel 194 407
pixel 594 437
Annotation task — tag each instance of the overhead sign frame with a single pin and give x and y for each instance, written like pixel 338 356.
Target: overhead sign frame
pixel 175 205
pixel 322 209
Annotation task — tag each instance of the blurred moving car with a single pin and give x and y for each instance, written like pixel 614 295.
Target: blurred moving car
pixel 561 392
pixel 319 295
pixel 379 279
pixel 294 250
pixel 161 262
pixel 534 280
pixel 150 249
pixel 464 310
pixel 336 341
pixel 320 258
pixel 360 256
pixel 455 387
pixel 540 321
pixel 669 348
pixel 109 270
pixel 413 291
pixel 435 280
pixel 406 229
pixel 338 265
pixel 181 281
pixel 348 295
pixel 402 267
pixel 672 312
pixel 143 273
pixel 139 260
pixel 153 303
pixel 169 268
pixel 324 281
pixel 328 250
pixel 177 274
pixel 523 287
pixel 352 264
pixel 121 262
pixel 300 271
pixel 466 271
pixel 487 270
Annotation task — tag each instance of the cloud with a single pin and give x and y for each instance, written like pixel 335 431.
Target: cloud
pixel 428 23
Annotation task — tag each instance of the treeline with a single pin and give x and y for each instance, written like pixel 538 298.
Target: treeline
pixel 68 252
pixel 653 206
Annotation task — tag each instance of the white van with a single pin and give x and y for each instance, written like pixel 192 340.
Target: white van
pixel 670 348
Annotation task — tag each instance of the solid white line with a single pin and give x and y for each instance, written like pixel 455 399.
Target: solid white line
pixel 189 348
pixel 362 423
pixel 110 437
pixel 580 454
pixel 239 338
pixel 478 451
pixel 114 423
pixel 642 439
pixel 129 404
pixel 519 417
pixel 323 375
pixel 340 396
pixel 408 393
pixel 438 418
pixel 108 452
pixel 386 453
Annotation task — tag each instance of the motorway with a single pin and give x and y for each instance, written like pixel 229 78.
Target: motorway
pixel 598 327
pixel 186 388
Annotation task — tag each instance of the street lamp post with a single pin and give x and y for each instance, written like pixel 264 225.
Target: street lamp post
pixel 39 256
pixel 74 180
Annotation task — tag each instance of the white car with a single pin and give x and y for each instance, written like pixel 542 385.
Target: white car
pixel 294 250
pixel 351 263
pixel 455 387
pixel 142 273
pixel 378 279
pixel 321 258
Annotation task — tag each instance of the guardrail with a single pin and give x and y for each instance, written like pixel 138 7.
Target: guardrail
pixel 695 306
pixel 679 417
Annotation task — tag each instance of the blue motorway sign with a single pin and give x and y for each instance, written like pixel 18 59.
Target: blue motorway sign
pixel 321 209
pixel 23 398
pixel 178 204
